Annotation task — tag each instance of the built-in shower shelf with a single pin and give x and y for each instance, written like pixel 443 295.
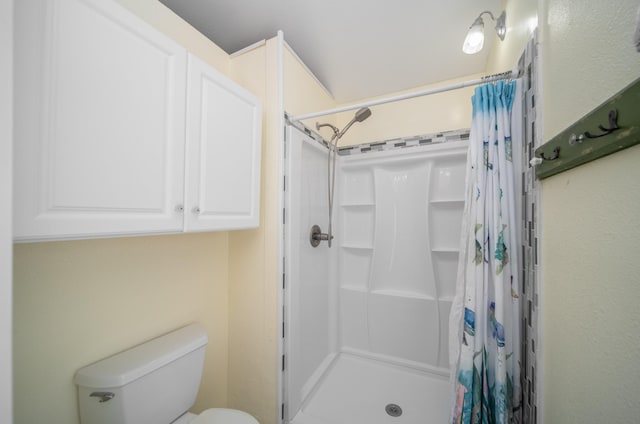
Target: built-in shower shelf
pixel 353 287
pixel 447 201
pixel 404 294
pixel 357 247
pixel 446 250
pixel 358 205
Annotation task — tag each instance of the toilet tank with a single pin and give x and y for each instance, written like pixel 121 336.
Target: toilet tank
pixel 152 383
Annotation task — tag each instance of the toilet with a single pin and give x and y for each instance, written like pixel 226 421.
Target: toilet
pixel 153 383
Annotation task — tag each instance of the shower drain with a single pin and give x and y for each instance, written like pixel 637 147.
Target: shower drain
pixel 393 410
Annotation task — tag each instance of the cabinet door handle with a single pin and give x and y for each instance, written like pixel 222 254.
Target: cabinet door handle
pixel 179 208
pixel 196 209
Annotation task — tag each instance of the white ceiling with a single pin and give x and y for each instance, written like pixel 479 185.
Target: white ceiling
pixel 356 48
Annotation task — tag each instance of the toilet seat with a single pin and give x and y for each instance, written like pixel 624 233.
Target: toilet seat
pixel 224 416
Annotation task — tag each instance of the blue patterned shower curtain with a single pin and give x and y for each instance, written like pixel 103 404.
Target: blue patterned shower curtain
pixel 485 316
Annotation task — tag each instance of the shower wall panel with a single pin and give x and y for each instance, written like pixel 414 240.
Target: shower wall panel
pixel 310 316
pixel 399 219
pixel 383 290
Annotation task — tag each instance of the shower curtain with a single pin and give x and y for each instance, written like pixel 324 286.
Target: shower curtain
pixel 485 316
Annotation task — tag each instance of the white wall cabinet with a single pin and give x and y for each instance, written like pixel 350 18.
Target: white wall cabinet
pixel 223 152
pixel 100 130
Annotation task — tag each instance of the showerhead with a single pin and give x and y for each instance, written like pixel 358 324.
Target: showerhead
pixel 362 114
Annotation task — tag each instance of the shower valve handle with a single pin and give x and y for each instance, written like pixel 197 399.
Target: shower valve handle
pixel 321 236
pixel 316 236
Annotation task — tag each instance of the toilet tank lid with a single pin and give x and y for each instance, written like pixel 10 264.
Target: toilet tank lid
pixel 125 367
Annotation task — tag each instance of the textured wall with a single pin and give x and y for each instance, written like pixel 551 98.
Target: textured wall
pixel 590 230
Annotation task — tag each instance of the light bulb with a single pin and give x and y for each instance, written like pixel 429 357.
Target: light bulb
pixel 474 41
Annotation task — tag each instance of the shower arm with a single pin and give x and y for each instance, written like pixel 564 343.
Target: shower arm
pixel 344 130
pixel 336 131
pixel 316 234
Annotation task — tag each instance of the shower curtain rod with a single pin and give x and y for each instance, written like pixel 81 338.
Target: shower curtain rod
pixel 489 78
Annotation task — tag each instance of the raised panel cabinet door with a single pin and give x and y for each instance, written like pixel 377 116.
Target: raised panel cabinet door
pixel 100 125
pixel 224 133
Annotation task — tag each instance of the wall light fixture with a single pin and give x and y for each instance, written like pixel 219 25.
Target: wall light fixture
pixel 474 41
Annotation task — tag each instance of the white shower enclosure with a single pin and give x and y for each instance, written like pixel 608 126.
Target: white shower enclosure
pixel 366 321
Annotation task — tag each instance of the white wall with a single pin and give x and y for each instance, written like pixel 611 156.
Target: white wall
pixel 590 228
pixel 6 138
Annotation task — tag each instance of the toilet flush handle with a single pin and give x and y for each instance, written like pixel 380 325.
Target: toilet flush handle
pixel 104 396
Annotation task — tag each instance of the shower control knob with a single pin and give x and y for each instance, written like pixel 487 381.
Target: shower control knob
pixel 196 209
pixel 316 236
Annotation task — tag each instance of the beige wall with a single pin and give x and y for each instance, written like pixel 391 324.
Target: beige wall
pixel 423 115
pixel 76 302
pixel 252 280
pixel 303 93
pixel 522 19
pixel 446 111
pixel 254 276
pixel 590 232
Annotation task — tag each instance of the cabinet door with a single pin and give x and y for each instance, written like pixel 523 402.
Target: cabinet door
pixel 99 122
pixel 223 152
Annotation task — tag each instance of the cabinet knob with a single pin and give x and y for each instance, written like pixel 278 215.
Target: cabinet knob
pixel 179 208
pixel 196 209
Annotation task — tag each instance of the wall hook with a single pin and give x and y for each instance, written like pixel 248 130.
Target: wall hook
pixel 613 125
pixel 556 154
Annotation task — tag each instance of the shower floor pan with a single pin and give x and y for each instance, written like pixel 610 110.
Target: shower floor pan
pixel 357 390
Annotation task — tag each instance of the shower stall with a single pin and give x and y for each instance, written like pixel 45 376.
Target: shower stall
pixel 366 320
